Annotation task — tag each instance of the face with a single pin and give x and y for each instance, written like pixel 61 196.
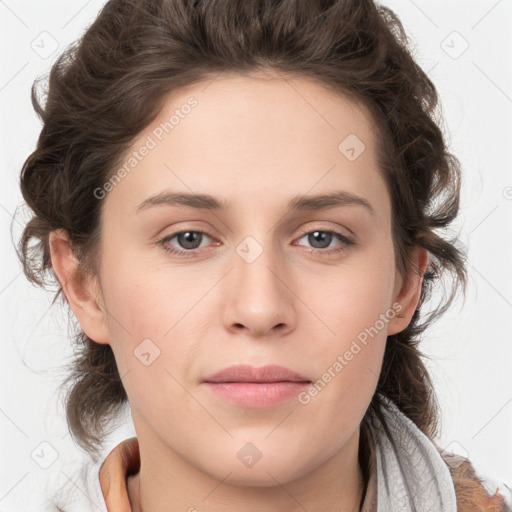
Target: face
pixel 188 289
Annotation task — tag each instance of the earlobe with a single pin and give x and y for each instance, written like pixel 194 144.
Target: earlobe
pixel 81 290
pixel 408 294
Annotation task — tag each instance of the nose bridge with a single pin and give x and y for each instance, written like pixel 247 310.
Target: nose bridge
pixel 256 266
pixel 259 299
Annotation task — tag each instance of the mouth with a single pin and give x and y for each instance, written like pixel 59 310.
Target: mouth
pixel 250 374
pixel 246 386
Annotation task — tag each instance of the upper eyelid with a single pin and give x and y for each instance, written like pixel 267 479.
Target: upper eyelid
pixel 305 230
pixel 326 229
pixel 302 231
pixel 301 234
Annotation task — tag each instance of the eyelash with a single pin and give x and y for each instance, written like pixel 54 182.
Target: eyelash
pixel 346 242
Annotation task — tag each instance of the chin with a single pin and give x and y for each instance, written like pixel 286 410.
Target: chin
pixel 265 472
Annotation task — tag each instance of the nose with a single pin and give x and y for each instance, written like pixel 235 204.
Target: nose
pixel 258 296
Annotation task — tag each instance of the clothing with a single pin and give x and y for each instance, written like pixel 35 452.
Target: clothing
pixel 407 474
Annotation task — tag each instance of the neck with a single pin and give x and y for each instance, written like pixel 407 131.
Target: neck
pixel 171 483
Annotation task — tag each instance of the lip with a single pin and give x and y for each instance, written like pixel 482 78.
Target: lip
pixel 247 373
pixel 247 386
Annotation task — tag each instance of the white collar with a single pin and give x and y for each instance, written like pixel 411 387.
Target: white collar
pixel 411 474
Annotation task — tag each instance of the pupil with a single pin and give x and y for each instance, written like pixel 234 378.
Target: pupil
pixel 187 239
pixel 322 235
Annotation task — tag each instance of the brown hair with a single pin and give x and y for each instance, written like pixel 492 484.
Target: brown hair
pixel 107 87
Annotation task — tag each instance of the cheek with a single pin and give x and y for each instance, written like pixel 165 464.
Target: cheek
pixel 142 299
pixel 349 349
pixel 353 296
pixel 352 309
pixel 152 338
pixel 155 317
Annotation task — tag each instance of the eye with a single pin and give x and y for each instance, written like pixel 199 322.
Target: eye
pixel 189 240
pixel 321 240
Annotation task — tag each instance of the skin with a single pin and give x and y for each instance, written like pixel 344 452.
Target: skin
pixel 256 141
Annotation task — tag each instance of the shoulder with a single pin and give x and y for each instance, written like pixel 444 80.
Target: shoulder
pixel 475 491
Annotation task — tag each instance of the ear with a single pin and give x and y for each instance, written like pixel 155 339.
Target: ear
pixel 81 290
pixel 408 290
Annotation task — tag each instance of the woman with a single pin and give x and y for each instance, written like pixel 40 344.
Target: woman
pixel 242 205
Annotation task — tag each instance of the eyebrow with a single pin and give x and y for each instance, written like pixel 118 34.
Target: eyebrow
pixel 300 202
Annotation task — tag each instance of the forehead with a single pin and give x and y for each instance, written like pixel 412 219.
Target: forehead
pixel 281 107
pixel 274 134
